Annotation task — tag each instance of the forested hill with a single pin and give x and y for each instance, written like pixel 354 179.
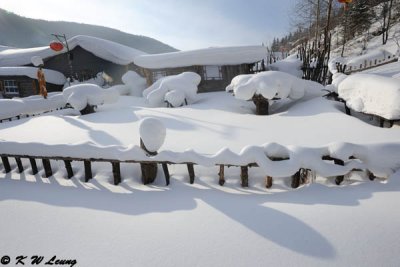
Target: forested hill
pixel 21 32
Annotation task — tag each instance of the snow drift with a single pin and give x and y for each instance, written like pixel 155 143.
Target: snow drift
pixel 174 88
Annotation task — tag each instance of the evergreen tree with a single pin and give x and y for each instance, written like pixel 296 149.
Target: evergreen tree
pixel 360 17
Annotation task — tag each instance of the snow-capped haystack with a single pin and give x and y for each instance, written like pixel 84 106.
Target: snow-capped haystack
pixel 152 132
pixel 269 84
pixel 372 94
pixel 185 82
pixel 134 83
pixel 82 95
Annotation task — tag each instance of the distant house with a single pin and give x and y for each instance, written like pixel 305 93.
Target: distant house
pixel 88 56
pixel 216 66
pixel 22 81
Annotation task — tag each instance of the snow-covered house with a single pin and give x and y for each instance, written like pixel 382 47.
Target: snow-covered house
pixel 22 81
pixel 216 66
pixel 89 56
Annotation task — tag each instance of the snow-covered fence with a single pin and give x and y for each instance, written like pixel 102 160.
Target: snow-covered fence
pixel 333 160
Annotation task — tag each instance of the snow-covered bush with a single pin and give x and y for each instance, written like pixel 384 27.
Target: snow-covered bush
pixel 134 84
pixel 372 94
pixel 182 84
pixel 86 96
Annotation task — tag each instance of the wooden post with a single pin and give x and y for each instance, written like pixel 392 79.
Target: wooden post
pixel 268 182
pixel 34 166
pixel 296 179
pixel 221 175
pixel 88 170
pixel 19 164
pixel 6 164
pixel 149 170
pixel 47 168
pixel 339 179
pixel 68 167
pixel 244 176
pixel 166 173
pixel 116 169
pixel 262 105
pixel 371 176
pixel 191 172
pixel 381 122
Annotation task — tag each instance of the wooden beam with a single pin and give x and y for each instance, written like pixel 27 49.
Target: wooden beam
pixel 244 176
pixel 221 175
pixel 6 164
pixel 47 168
pixel 166 173
pixel 33 165
pixel 268 182
pixel 68 167
pixel 296 180
pixel 88 170
pixel 116 169
pixel 191 172
pixel 19 164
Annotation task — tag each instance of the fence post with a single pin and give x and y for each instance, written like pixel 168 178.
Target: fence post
pixel 116 172
pixel 166 172
pixel 33 165
pixel 68 167
pixel 6 164
pixel 268 182
pixel 191 172
pixel 19 164
pixel 88 170
pixel 47 168
pixel 244 176
pixel 221 175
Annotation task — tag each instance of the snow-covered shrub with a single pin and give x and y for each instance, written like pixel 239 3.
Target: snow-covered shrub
pixel 186 83
pixel 134 83
pixel 372 94
pixel 152 132
pixel 82 96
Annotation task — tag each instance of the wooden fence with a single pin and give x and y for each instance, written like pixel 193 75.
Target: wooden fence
pixel 300 177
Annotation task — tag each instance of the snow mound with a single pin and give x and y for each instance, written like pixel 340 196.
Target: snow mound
pixel 32 105
pixel 291 65
pixel 134 82
pixel 271 84
pixel 237 80
pixel 186 83
pixel 81 95
pixel 372 94
pixel 152 132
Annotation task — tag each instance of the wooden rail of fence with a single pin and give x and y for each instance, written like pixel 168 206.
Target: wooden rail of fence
pixel 300 177
pixel 21 116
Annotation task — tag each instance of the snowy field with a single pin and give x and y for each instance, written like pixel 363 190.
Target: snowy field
pixel 203 224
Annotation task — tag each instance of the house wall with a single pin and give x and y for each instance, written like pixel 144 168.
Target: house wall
pixel 86 65
pixel 228 73
pixel 26 86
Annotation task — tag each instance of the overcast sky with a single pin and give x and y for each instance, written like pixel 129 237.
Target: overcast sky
pixel 183 24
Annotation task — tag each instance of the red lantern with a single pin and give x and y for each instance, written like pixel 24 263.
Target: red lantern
pixel 56 46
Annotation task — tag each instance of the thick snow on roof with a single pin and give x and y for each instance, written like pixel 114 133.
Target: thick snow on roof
pixel 51 76
pixel 208 56
pixel 105 49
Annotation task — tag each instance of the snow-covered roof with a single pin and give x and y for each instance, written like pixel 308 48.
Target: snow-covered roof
pixel 208 56
pixel 51 76
pixel 105 49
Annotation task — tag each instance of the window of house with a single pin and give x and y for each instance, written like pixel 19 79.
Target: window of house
pixel 159 74
pixel 10 87
pixel 212 73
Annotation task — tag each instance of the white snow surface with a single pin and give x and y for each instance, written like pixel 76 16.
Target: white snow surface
pixel 372 94
pixel 79 96
pixel 271 84
pixel 134 82
pixel 182 84
pixel 105 49
pixel 51 76
pixel 290 64
pixel 209 56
